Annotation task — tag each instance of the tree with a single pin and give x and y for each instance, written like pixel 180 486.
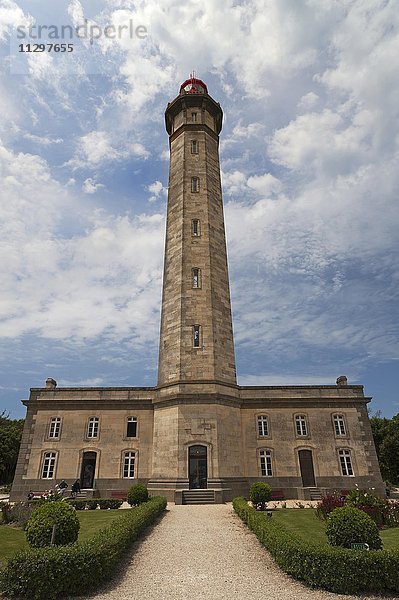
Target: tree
pixel 10 439
pixel 386 439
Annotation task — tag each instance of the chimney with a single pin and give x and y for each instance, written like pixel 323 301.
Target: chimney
pixel 342 381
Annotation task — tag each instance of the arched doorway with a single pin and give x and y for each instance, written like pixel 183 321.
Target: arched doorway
pixel 197 467
pixel 307 470
pixel 88 470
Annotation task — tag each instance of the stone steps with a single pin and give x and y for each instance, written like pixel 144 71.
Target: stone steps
pixel 198 497
pixel 315 494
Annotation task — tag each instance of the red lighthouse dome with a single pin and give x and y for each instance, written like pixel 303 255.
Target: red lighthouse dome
pixel 193 86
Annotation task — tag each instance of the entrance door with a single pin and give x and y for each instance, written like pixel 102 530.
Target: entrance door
pixel 88 470
pixel 197 467
pixel 307 471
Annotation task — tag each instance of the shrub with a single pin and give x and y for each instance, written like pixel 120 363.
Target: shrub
pixel 359 498
pixel 77 504
pixel 137 494
pixel 40 526
pixel 45 573
pixel 373 506
pixel 260 494
pixel 392 514
pixel 105 503
pixel 333 568
pixel 19 513
pixel 91 504
pixel 349 525
pixel 379 510
pixel 328 503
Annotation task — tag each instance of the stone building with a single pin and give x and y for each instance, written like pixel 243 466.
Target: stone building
pixel 197 429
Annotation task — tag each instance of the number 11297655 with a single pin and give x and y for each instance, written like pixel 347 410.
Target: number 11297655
pixel 45 47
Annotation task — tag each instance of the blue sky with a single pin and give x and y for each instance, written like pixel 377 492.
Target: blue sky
pixel 309 156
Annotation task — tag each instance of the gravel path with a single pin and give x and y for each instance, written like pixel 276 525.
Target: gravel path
pixel 206 553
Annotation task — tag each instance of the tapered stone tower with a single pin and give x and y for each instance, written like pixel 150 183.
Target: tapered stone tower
pixel 196 341
pixel 197 409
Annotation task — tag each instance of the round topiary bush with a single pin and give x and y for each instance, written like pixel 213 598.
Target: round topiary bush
pixel 137 494
pixel 349 525
pixel 260 494
pixel 40 526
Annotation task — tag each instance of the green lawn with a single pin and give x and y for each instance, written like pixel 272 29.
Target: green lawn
pixel 304 523
pixel 13 539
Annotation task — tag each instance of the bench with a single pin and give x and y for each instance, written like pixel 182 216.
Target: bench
pixel 36 495
pixel 278 495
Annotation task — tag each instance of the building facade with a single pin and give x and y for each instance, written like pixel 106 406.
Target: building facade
pixel 197 429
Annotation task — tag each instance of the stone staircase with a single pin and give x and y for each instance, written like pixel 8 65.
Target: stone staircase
pixel 198 497
pixel 315 493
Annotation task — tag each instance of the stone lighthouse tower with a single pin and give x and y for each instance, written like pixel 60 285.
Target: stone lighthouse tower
pixel 196 342
pixel 197 375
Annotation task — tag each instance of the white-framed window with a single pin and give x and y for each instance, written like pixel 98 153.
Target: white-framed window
pixel 193 117
pixel 339 425
pixel 129 459
pixel 301 425
pixel 195 184
pixel 263 426
pixel 92 427
pixel 196 336
pixel 266 463
pixel 345 460
pixel 194 146
pixel 196 277
pixel 48 468
pixel 131 429
pixel 55 427
pixel 195 228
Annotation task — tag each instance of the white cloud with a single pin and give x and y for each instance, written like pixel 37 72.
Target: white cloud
pixel 105 276
pixel 265 185
pixel 43 140
pixel 234 182
pixel 90 186
pixel 157 190
pixel 11 15
pixel 308 101
pixel 95 148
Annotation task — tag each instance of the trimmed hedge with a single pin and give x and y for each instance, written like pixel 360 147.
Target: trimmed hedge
pixel 103 503
pixel 334 569
pixel 45 573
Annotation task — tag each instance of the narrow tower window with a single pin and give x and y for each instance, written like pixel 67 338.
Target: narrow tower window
pixel 195 184
pixel 55 425
pixel 194 147
pixel 131 427
pixel 196 277
pixel 196 336
pixel 194 117
pixel 195 227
